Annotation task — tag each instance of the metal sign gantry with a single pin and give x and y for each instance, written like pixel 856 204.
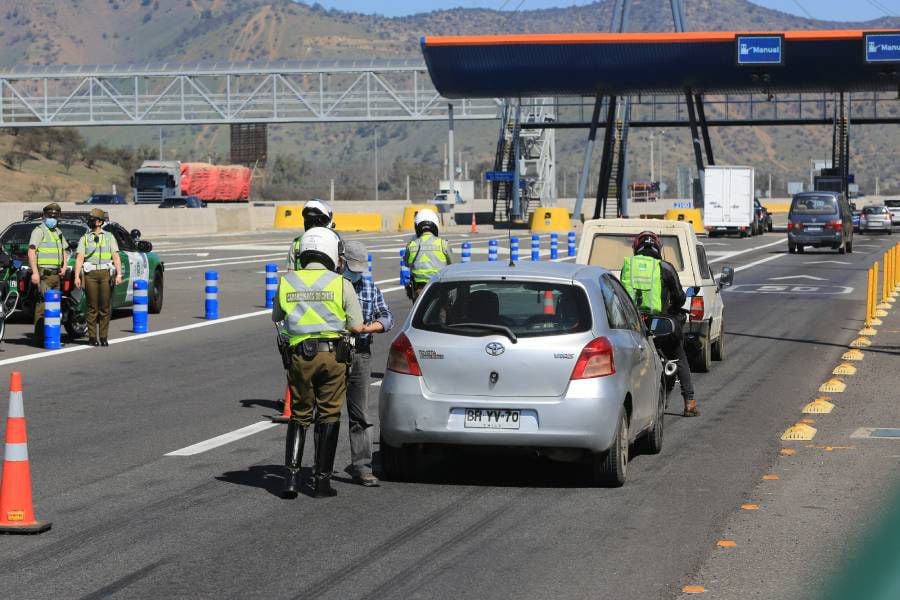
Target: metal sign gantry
pixel 325 91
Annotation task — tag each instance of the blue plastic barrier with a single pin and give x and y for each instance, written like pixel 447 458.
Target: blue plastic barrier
pixel 554 246
pixel 271 284
pixel 535 247
pixel 404 270
pixel 493 250
pixel 212 295
pixel 139 307
pixel 572 250
pixel 466 252
pixel 369 260
pixel 514 249
pixel 52 319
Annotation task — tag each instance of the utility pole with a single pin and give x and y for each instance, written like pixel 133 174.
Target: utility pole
pixel 332 191
pixel 375 144
pixel 451 167
pixel 652 162
pixel 407 188
pixel 160 144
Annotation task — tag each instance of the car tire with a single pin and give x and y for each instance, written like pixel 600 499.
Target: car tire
pixel 842 249
pixel 610 468
pixel 792 248
pixel 799 248
pixel 155 294
pixel 718 347
pixel 702 358
pixel 652 439
pixel 771 226
pixel 850 247
pixel 397 464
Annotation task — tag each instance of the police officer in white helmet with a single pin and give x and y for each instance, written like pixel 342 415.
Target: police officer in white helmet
pixel 316 307
pixel 316 213
pixel 427 254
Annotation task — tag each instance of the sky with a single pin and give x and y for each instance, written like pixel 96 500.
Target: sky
pixel 836 10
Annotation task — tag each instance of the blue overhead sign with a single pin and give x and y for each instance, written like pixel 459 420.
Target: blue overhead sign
pixel 499 175
pixel 882 47
pixel 756 50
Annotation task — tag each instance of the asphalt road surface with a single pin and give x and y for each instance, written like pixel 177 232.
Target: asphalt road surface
pixel 132 521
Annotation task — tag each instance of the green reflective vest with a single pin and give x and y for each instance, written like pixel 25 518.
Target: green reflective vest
pixel 428 257
pixel 642 278
pixel 313 302
pixel 50 251
pixel 99 253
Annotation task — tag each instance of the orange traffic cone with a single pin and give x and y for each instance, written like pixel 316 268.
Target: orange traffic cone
pixel 474 225
pixel 16 509
pixel 285 415
pixel 549 308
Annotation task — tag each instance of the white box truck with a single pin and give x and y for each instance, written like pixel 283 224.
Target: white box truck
pixel 728 200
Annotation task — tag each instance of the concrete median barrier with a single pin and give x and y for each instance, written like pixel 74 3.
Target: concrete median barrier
pixel 407 222
pixel 776 207
pixel 289 216
pixel 357 222
pixel 691 215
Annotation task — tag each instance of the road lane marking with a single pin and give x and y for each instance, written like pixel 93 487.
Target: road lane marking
pixel 758 262
pixel 797 277
pixel 221 440
pixel 739 252
pixel 219 259
pixel 822 262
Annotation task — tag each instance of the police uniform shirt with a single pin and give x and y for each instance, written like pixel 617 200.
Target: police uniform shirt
pixel 37 236
pixel 350 301
pixel 109 239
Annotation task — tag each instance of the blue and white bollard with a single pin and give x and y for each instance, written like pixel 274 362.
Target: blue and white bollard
pixel 514 249
pixel 212 295
pixel 554 246
pixel 493 250
pixel 572 250
pixel 139 306
pixel 404 270
pixel 466 252
pixel 52 319
pixel 271 284
pixel 535 247
pixel 369 260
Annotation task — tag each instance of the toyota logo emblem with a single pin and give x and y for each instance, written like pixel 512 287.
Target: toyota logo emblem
pixel 495 349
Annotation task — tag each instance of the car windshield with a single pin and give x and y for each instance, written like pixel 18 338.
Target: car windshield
pixel 151 180
pixel 528 309
pixel 16 236
pixel 814 205
pixel 609 250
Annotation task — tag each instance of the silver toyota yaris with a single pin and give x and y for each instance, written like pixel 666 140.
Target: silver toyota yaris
pixel 545 356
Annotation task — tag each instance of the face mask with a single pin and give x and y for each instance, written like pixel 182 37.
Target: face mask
pixel 50 222
pixel 352 276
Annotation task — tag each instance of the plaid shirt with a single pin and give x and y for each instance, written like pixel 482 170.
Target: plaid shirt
pixel 374 308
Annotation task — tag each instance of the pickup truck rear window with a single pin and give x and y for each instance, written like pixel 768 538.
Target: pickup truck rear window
pixel 608 250
pixel 529 309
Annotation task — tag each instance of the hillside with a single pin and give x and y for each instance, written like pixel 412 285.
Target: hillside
pixel 138 31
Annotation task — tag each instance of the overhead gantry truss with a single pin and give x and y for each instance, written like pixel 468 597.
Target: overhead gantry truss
pixel 225 93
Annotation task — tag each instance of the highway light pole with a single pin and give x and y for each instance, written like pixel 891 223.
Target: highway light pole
pixel 375 144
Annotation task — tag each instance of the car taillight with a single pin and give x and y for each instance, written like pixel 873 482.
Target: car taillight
pixel 595 360
pixel 402 357
pixel 66 286
pixel 697 308
pixel 792 226
pixel 836 225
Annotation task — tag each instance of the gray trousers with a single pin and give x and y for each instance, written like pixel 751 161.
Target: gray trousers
pixel 358 411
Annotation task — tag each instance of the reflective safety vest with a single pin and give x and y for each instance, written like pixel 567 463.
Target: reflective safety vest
pixel 642 278
pixel 50 250
pixel 428 257
pixel 99 253
pixel 313 302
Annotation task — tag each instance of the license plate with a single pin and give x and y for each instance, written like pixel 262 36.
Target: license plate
pixel 492 418
pixel 808 228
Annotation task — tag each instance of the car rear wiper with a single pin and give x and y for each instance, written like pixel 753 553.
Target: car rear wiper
pixel 490 327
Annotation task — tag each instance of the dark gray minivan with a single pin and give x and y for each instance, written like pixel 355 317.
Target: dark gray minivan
pixel 820 220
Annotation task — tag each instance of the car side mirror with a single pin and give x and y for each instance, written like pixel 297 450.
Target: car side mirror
pixel 144 246
pixel 135 234
pixel 726 279
pixel 661 326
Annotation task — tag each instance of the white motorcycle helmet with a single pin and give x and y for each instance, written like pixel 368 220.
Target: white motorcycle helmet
pixel 424 220
pixel 317 213
pixel 320 244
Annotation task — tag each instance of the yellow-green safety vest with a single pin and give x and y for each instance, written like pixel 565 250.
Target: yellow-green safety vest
pixel 428 257
pixel 50 251
pixel 313 302
pixel 99 253
pixel 642 278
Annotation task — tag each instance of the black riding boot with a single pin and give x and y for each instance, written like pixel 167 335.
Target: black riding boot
pixel 293 453
pixel 326 447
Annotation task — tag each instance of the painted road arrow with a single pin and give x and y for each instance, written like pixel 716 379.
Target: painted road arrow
pixel 797 277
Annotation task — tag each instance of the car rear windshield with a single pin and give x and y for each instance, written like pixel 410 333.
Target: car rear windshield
pixel 892 203
pixel 608 250
pixel 528 309
pixel 814 205
pixel 873 210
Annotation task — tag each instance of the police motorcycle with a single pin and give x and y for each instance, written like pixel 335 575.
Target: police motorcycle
pixel 73 301
pixel 9 290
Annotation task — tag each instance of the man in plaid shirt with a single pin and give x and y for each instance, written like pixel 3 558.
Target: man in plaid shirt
pixel 375 311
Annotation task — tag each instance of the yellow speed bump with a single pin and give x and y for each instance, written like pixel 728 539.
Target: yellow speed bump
pixel 833 386
pixel 868 331
pixel 749 506
pixel 819 406
pixel 876 321
pixel 726 544
pixel 853 355
pixel 844 369
pixel 861 342
pixel 801 432
pixel 770 477
pixel 880 313
pixel 787 451
pixel 693 589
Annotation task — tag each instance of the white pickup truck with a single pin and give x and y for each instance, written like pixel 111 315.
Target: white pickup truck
pixel 606 243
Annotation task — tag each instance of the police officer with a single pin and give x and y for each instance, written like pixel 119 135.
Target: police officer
pixel 48 256
pixel 316 213
pixel 316 305
pixel 427 254
pixel 98 257
pixel 654 286
pixel 378 318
